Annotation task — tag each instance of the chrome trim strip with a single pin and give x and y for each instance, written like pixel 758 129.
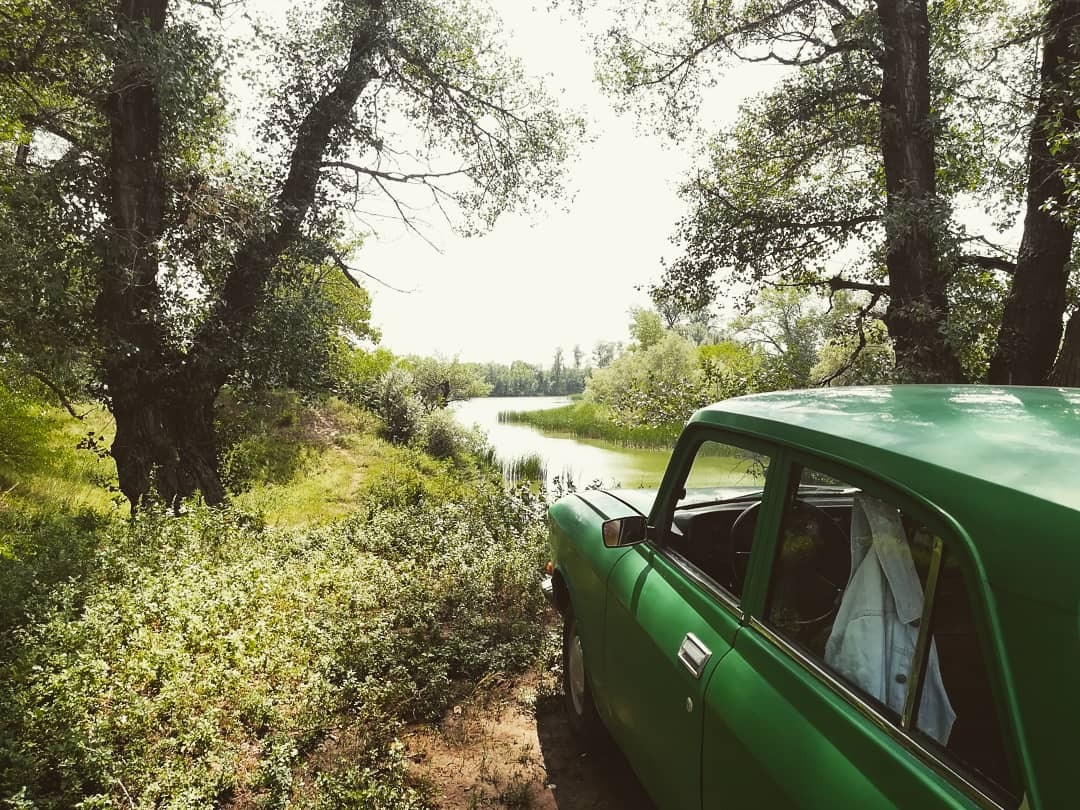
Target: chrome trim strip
pixel 922 642
pixel 870 712
pixel 702 580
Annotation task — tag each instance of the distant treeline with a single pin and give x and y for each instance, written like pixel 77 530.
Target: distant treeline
pixel 521 379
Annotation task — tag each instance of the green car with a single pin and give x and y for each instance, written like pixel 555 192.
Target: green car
pixel 862 597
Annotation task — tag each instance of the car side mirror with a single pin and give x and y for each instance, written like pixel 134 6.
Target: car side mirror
pixel 625 531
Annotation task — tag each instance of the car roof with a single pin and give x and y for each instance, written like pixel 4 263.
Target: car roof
pixel 1024 439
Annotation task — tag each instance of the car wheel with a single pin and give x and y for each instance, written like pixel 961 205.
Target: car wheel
pixel 580 707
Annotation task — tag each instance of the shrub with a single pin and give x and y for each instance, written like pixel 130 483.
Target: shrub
pixel 440 434
pixel 395 402
pixel 193 661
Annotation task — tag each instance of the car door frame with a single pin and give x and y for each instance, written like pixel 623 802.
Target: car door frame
pixel 706 601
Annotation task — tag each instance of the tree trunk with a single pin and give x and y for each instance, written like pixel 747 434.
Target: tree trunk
pixel 1067 368
pixel 918 312
pixel 1032 322
pixel 164 423
pixel 166 444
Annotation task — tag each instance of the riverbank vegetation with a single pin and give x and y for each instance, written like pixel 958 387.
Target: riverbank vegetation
pixel 179 197
pixel 529 468
pixel 590 420
pixel 240 545
pixel 265 653
pixel 643 397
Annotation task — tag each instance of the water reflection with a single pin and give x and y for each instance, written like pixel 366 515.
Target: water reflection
pixel 583 460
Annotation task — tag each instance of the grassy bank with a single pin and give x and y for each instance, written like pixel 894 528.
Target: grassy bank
pixel 587 420
pixel 263 655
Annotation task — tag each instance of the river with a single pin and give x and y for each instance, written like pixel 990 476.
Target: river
pixel 583 460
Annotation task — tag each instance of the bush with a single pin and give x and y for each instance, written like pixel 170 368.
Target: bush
pixel 198 660
pixel 655 386
pixel 362 372
pixel 395 402
pixel 442 436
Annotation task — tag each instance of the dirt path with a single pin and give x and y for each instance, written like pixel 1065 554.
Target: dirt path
pixel 511 746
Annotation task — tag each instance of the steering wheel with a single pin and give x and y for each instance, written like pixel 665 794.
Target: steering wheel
pixel 831 552
pixel 740 539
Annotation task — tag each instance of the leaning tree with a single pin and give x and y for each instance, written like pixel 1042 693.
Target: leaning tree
pixel 173 216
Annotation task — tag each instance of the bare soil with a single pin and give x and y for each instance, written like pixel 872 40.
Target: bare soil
pixel 510 746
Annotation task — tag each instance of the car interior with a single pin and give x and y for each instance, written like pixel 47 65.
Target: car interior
pixel 812 570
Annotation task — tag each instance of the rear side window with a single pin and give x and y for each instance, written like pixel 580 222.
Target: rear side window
pixel 976 738
pixel 877 598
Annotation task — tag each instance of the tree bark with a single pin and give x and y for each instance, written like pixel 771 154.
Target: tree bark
pixel 165 443
pixel 161 397
pixel 1066 371
pixel 137 365
pixel 1031 324
pixel 918 311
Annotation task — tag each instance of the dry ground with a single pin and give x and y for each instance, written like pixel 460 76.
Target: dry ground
pixel 510 746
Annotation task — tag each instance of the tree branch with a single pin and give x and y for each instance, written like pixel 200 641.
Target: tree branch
pixel 57 392
pixel 836 283
pixel 860 319
pixel 347 271
pixel 747 27
pixel 394 177
pixel 217 341
pixel 988 262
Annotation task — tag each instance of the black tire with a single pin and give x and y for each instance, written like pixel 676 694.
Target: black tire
pixel 580 708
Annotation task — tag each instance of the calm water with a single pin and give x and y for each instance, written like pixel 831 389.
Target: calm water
pixel 585 460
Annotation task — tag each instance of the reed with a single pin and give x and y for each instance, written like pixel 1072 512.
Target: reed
pixel 587 420
pixel 531 467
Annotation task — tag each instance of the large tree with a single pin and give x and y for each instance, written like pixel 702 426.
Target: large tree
pixel 846 176
pixel 189 240
pixel 1032 322
pixel 851 149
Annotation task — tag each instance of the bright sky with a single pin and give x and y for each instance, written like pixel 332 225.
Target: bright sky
pixel 558 277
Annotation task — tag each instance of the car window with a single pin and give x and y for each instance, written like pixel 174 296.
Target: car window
pixel 716 512
pixel 976 739
pixel 854 580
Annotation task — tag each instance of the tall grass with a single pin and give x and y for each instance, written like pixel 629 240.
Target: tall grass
pixel 587 420
pixel 531 467
pixel 49 457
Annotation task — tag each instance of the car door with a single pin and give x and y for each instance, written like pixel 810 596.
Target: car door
pixel 671 616
pixel 810 710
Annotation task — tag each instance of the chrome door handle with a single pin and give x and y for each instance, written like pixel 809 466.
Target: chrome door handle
pixel 694 655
